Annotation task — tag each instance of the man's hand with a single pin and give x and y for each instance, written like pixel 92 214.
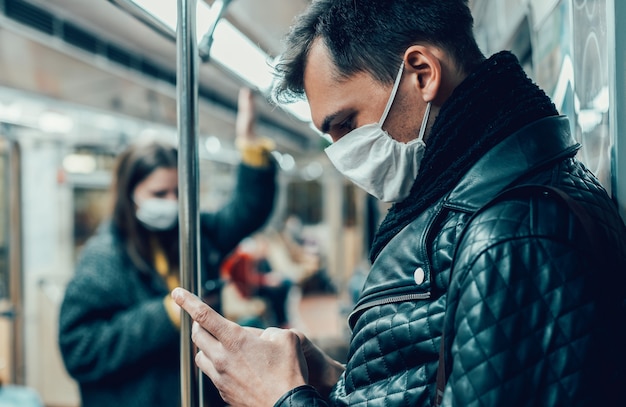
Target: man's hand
pixel 249 367
pixel 323 371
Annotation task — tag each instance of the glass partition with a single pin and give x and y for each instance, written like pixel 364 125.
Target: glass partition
pixel 571 62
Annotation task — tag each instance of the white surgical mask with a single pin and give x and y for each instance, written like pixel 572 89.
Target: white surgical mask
pixel 373 160
pixel 158 214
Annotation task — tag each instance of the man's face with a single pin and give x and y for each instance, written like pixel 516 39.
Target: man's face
pixel 339 105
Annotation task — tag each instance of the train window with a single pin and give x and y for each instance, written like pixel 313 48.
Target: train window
pixel 88 169
pixel 216 183
pixel 89 161
pixel 90 208
pixel 304 199
pixel 349 205
pixel 571 63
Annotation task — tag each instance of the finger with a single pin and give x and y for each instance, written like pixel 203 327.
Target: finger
pixel 202 338
pixel 205 364
pixel 210 320
pixel 208 368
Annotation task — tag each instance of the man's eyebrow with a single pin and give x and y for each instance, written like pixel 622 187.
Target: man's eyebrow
pixel 327 122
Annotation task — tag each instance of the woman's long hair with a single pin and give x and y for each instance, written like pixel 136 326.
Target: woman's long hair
pixel 133 166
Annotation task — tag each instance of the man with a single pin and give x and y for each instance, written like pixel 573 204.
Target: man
pixel 529 301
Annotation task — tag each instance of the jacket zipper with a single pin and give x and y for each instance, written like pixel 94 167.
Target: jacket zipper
pixel 388 300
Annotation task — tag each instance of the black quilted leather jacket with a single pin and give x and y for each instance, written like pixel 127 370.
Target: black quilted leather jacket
pixel 532 314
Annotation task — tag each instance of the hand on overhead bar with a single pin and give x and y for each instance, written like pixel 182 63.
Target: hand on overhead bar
pixel 255 150
pixel 246 116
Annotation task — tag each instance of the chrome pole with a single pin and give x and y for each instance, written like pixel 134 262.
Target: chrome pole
pixel 189 221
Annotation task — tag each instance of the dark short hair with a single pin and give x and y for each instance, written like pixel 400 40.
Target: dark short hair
pixel 372 35
pixel 134 165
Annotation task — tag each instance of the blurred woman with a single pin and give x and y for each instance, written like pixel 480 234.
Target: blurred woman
pixel 118 328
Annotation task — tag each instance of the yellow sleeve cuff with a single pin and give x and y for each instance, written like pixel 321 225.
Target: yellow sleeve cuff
pixel 172 311
pixel 257 153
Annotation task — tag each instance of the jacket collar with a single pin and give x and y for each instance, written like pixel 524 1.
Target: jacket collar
pixel 532 146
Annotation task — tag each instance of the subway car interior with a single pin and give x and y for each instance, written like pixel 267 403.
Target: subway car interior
pixel 81 80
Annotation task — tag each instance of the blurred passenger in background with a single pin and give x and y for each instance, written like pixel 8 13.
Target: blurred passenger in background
pixel 251 273
pixel 305 253
pixel 119 328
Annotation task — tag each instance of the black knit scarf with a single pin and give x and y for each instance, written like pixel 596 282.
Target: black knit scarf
pixel 494 101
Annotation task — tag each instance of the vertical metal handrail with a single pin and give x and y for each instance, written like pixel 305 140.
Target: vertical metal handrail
pixel 189 221
pixel 187 58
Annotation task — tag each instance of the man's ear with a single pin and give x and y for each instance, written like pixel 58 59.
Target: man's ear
pixel 425 70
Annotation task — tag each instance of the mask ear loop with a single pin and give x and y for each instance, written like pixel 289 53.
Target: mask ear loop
pixel 393 94
pixel 424 121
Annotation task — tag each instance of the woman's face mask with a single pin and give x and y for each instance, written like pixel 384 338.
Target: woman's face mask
pixel 156 198
pixel 374 161
pixel 157 214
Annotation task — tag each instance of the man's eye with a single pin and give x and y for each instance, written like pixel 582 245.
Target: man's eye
pixel 159 194
pixel 346 125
